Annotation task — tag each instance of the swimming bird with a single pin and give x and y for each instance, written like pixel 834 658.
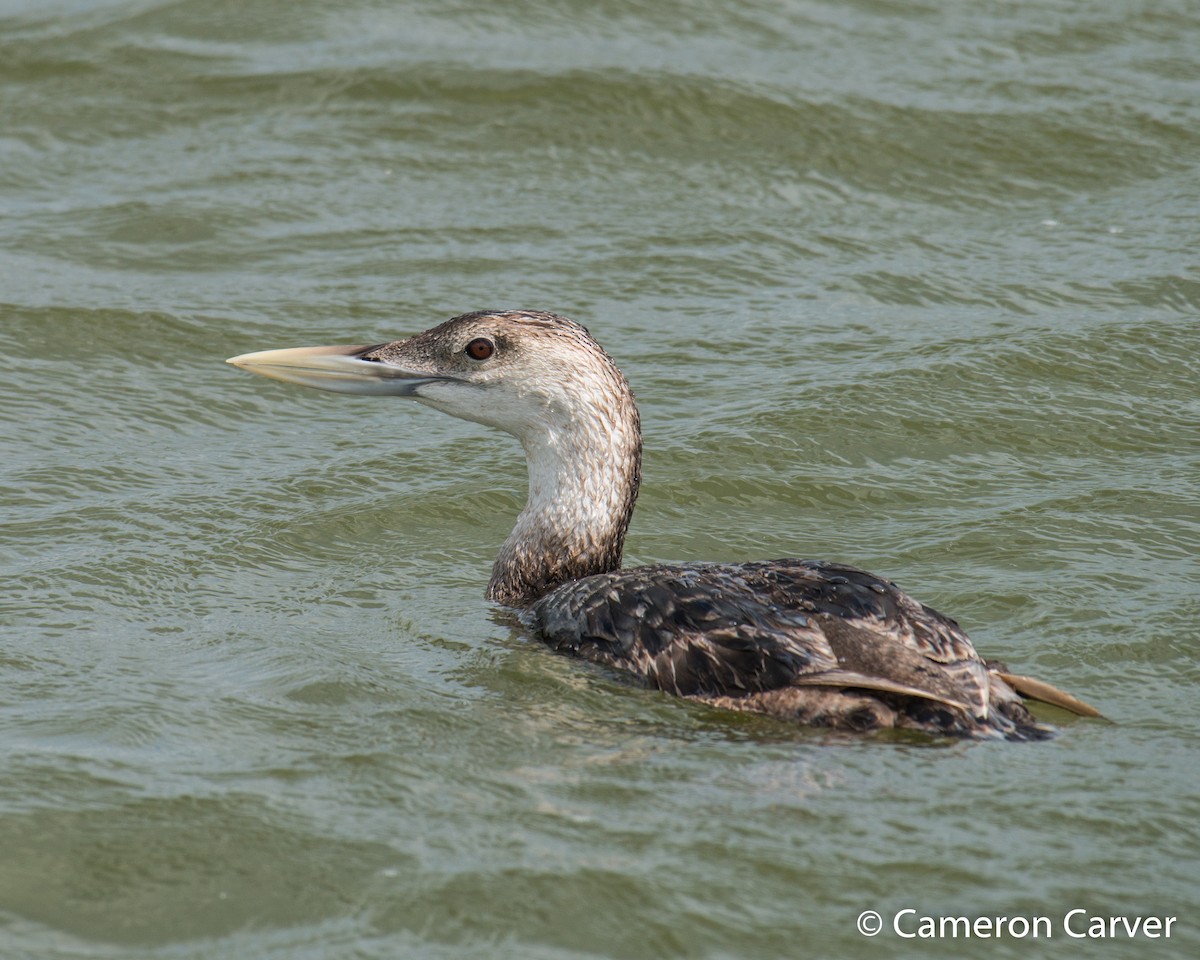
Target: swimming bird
pixel 815 642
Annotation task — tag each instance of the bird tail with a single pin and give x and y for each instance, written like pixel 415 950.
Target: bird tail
pixel 1034 689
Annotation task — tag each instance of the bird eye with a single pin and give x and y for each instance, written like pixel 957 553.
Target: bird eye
pixel 480 348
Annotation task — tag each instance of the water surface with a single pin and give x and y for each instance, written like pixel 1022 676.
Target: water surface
pixel 907 285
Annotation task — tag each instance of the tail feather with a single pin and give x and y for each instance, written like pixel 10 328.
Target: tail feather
pixel 1035 689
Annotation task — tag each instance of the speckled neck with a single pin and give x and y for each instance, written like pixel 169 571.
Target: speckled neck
pixel 584 475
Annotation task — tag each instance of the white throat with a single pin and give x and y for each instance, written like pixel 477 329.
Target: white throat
pixel 584 473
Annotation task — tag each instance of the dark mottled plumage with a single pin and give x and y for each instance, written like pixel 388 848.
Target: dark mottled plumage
pixel 814 642
pixel 818 642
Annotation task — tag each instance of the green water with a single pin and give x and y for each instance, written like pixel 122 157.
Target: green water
pixel 908 285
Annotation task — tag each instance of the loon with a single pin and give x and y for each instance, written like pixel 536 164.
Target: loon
pixel 814 642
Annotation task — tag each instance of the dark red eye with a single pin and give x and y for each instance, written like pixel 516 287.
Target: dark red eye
pixel 480 348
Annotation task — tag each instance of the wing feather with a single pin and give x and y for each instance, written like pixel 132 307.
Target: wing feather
pixel 737 629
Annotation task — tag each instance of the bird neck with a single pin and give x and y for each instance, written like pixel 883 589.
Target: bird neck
pixel 584 476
